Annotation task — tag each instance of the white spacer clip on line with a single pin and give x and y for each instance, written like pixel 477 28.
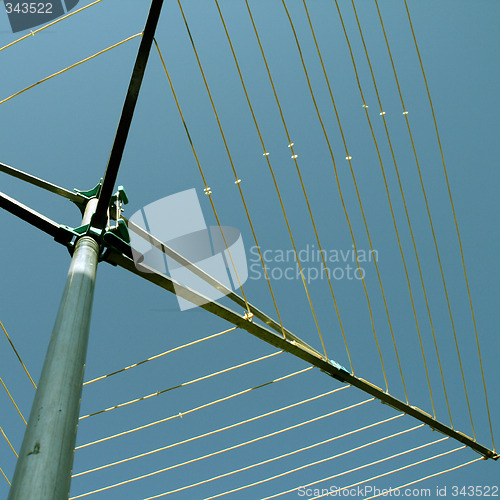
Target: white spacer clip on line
pixel 237 181
pixel 382 113
pixel 208 191
pixel 348 157
pixel 405 112
pixel 248 316
pixel 265 154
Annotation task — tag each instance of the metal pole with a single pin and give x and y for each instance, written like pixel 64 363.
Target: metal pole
pixel 43 470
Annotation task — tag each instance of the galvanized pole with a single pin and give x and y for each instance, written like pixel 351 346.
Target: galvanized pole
pixel 43 470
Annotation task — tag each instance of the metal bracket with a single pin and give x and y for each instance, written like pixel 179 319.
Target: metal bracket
pixel 111 238
pixel 88 195
pixel 118 239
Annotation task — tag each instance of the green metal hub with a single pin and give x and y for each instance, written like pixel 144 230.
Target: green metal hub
pixel 116 237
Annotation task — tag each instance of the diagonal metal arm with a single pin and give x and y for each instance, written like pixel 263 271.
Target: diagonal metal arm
pixel 101 214
pixel 214 283
pixel 59 233
pixel 297 349
pixel 48 186
pixel 224 312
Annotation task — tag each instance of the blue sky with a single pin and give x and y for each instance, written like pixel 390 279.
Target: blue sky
pixel 62 130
